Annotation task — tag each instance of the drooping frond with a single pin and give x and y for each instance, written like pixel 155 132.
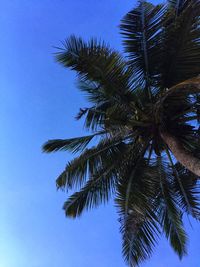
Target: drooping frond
pixel 97 190
pixel 191 188
pixel 139 224
pixel 140 231
pixel 102 166
pixel 76 172
pixel 170 214
pixel 173 226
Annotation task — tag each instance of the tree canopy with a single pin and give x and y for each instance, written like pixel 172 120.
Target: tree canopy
pixel 143 115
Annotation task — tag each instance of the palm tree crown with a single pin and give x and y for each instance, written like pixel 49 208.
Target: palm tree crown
pixel 143 113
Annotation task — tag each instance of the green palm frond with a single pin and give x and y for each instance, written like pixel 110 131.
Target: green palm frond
pixel 141 29
pixel 192 190
pixel 181 45
pixel 139 222
pixel 96 62
pixel 94 116
pixel 94 92
pixel 73 144
pixel 140 233
pixel 76 172
pixel 97 190
pixel 170 214
pixel 105 106
pixel 171 221
pixel 102 168
pixel 178 181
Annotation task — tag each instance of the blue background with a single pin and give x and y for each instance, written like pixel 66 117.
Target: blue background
pixel 38 101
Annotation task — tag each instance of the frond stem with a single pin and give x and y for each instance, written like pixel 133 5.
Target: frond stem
pixel 144 43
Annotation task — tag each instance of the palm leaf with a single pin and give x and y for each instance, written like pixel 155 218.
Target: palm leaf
pixel 97 190
pixel 73 144
pixel 94 116
pixel 181 45
pixel 95 62
pixel 140 235
pixel 191 188
pixel 105 106
pixel 139 224
pixel 141 31
pixel 76 172
pixel 178 5
pixel 103 174
pixel 170 214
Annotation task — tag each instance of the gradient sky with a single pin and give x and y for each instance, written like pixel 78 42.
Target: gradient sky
pixel 38 101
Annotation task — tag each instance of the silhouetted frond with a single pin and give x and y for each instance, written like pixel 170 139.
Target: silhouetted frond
pixel 139 223
pixel 96 62
pixel 191 188
pixel 73 144
pixel 181 44
pixel 141 29
pixel 76 172
pixel 97 190
pixel 170 214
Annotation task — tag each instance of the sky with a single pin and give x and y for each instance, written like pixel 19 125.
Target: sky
pixel 38 101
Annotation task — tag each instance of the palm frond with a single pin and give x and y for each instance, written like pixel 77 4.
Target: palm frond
pixel 187 198
pixel 178 5
pixel 73 144
pixel 94 117
pixel 170 214
pixel 96 62
pixel 190 186
pixel 103 171
pixel 97 190
pixel 139 223
pixel 141 29
pixel 173 227
pixel 106 152
pixel 181 45
pixel 140 233
pixel 99 114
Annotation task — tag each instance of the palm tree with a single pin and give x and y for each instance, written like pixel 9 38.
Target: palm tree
pixel 143 117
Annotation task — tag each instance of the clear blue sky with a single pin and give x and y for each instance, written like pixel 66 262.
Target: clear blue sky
pixel 38 101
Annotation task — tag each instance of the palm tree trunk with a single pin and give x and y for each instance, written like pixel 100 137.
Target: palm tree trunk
pixel 181 154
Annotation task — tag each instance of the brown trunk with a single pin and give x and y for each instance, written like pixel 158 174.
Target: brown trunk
pixel 181 154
